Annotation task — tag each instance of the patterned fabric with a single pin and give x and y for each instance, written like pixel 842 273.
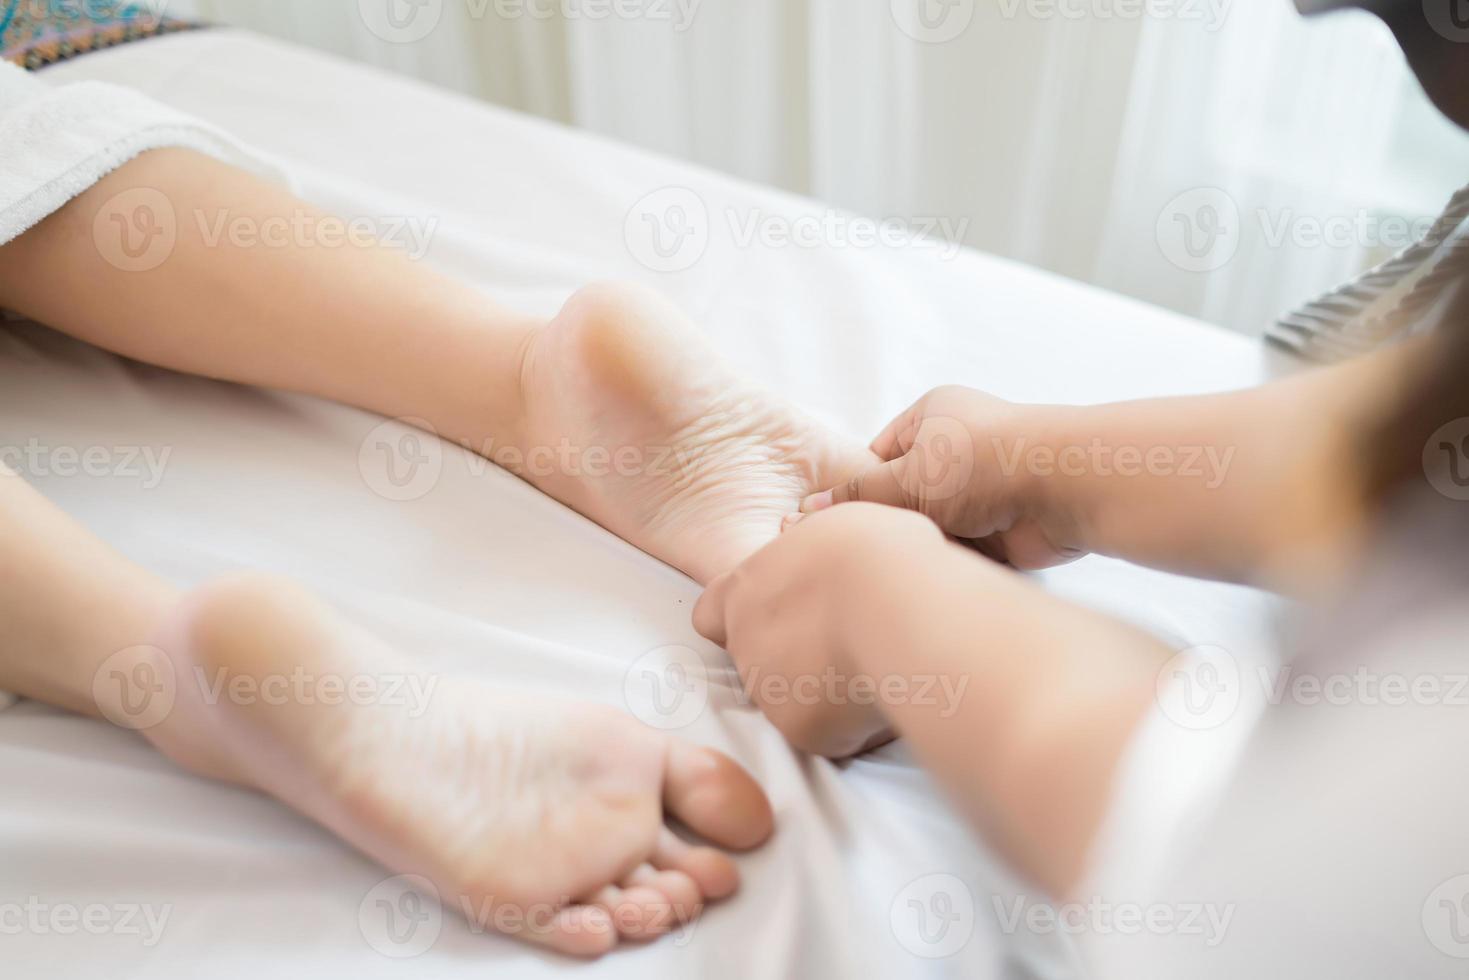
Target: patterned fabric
pixel 36 33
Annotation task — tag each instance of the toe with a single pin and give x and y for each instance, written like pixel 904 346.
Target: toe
pixel 711 872
pixel 579 930
pixel 715 797
pixel 636 911
pixel 682 894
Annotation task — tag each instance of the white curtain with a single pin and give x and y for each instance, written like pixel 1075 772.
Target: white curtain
pixel 1220 157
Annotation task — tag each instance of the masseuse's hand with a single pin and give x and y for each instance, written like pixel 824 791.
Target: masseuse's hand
pixel 964 459
pixel 790 616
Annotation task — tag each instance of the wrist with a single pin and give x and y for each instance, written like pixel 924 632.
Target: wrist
pixel 889 562
pixel 1047 455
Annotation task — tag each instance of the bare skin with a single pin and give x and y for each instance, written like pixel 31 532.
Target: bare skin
pixel 577 795
pixel 1055 692
pixel 616 369
pixel 500 799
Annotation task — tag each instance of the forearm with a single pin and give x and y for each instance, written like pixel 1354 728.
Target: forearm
pixel 1051 694
pixel 1253 486
pixel 361 324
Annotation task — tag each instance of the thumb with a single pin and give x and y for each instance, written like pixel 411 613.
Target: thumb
pixel 709 611
pixel 881 484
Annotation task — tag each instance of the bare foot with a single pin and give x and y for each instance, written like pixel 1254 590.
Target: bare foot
pixel 669 448
pixel 553 811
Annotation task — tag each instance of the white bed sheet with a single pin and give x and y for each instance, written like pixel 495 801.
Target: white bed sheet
pixel 484 574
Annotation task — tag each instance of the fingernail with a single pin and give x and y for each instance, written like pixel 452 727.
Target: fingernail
pixel 815 502
pixel 791 520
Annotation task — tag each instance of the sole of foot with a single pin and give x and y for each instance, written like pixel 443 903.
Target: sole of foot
pixel 542 818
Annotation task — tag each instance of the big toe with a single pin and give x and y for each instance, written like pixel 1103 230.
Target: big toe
pixel 715 797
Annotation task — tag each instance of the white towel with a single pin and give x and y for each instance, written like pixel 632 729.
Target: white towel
pixel 57 141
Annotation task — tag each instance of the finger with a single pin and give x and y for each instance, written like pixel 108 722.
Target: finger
pixel 709 611
pixel 898 437
pixel 881 484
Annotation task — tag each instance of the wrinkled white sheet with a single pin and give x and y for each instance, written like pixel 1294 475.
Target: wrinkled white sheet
pixel 484 574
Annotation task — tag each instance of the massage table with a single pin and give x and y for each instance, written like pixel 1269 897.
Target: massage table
pixel 871 873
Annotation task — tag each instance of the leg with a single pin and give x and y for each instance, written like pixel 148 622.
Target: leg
pixel 616 406
pixel 534 816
